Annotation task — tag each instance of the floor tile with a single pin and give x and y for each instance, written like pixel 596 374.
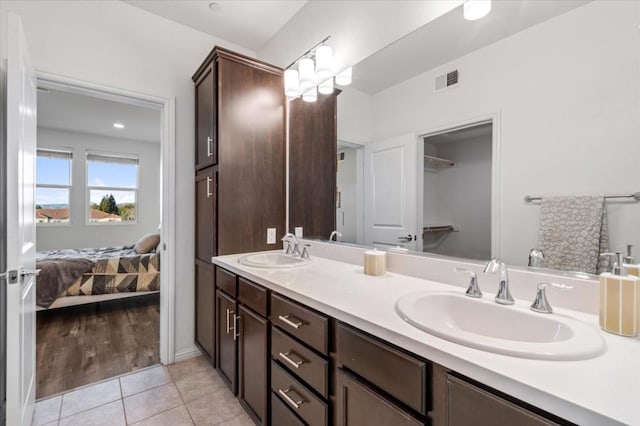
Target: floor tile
pixel 189 367
pixel 111 414
pixel 47 411
pixel 148 403
pixel 214 409
pixel 241 420
pixel 144 380
pixel 197 385
pixel 178 416
pixel 90 397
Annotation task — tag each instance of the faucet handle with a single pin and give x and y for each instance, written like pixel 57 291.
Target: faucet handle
pixel 296 250
pixel 305 251
pixel 541 303
pixel 473 290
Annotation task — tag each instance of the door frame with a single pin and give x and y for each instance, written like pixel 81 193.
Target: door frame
pixel 359 147
pixel 166 106
pixel 496 170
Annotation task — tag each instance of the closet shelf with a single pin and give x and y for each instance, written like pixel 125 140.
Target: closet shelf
pixel 438 228
pixel 437 162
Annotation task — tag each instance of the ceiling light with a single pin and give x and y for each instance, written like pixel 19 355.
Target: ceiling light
pixel 118 125
pixel 476 9
pixel 310 95
pixel 326 87
pixel 344 78
pixel 324 62
pixel 291 83
pixel 307 73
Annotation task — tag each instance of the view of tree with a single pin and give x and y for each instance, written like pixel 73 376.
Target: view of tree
pixel 127 211
pixel 108 205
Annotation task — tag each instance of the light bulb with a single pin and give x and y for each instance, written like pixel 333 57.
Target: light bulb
pixel 324 62
pixel 326 87
pixel 307 74
pixel 476 9
pixel 310 95
pixel 344 78
pixel 291 83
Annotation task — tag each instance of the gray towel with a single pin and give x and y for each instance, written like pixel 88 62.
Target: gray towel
pixel 573 233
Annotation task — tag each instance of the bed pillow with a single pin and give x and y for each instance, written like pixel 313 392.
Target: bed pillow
pixel 147 243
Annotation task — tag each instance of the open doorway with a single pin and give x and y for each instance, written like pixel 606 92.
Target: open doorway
pixel 457 191
pixel 349 183
pixel 98 211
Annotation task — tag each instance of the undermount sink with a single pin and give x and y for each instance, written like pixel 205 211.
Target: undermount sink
pixel 272 261
pixel 509 330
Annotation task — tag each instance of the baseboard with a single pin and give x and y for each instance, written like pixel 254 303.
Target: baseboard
pixel 191 352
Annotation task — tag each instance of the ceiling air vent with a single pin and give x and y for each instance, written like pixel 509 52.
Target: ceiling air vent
pixel 447 80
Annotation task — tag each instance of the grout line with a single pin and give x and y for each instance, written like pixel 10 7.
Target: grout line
pixel 124 410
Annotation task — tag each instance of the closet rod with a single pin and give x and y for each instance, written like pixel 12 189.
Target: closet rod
pixel 635 196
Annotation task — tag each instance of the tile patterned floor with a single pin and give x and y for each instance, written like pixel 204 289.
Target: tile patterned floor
pixel 186 393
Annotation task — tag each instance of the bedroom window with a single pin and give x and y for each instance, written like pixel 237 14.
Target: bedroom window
pixel 112 186
pixel 53 184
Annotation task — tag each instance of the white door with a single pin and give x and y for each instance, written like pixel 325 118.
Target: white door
pixel 390 192
pixel 21 231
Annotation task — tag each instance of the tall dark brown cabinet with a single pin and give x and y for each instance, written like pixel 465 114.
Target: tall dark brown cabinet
pixel 313 138
pixel 240 192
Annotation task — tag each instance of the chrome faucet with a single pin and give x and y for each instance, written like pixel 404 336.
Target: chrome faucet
pixel 473 290
pixel 541 303
pixel 335 234
pixel 305 251
pixel 536 256
pixel 292 244
pixel 496 265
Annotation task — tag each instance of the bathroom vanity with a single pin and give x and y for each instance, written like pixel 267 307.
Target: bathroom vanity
pixel 321 344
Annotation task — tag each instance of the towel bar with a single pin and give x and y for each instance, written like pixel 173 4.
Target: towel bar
pixel 635 196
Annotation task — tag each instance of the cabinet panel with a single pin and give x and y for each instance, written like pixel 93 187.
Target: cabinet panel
pixel 469 405
pixel 404 377
pixel 205 303
pixel 226 339
pixel 357 405
pixel 301 322
pixel 281 415
pixel 253 362
pixel 309 407
pixel 227 282
pixel 253 296
pixel 206 214
pixel 206 148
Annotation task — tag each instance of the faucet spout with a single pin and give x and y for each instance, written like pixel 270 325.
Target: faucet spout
pixel 335 234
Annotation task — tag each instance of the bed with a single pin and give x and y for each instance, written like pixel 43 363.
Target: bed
pixel 70 277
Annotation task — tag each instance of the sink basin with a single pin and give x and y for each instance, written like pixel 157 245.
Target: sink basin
pixel 510 330
pixel 272 261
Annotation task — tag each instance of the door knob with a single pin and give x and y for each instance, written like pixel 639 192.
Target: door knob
pixel 407 239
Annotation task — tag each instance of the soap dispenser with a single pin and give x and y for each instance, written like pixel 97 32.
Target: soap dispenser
pixel 619 299
pixel 632 267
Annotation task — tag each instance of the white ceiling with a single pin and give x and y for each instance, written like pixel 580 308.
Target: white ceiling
pixel 450 37
pixel 248 23
pixel 87 114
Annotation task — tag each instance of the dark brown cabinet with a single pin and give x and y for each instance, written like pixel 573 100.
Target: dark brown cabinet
pixel 226 339
pixel 206 215
pixel 205 314
pixel 252 363
pixel 206 147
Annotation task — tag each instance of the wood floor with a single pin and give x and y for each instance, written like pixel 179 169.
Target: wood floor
pixel 84 344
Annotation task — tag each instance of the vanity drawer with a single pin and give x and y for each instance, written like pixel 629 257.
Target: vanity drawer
pixel 253 296
pixel 403 376
pixel 226 281
pixel 299 360
pixel 297 397
pixel 281 415
pixel 301 322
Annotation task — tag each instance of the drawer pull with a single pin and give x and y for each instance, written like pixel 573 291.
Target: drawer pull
pixel 236 326
pixel 291 321
pixel 287 357
pixel 294 403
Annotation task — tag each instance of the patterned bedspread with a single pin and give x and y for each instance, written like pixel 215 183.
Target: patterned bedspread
pixel 115 270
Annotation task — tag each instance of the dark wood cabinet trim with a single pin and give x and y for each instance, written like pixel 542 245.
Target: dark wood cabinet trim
pixel 221 52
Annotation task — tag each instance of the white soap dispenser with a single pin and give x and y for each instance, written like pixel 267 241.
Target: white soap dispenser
pixel 619 299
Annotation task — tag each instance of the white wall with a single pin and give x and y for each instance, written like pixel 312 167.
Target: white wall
pixel 112 43
pixel 462 198
pixel 78 234
pixel 355 115
pixel 567 91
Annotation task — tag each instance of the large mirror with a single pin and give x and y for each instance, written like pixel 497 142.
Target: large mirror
pixel 493 137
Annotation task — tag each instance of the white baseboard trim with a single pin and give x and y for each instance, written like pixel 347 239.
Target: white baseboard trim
pixel 185 354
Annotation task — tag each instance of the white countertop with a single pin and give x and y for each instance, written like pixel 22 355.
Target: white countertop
pixel 598 391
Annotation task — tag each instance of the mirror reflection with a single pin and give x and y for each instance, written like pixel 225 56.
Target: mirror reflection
pixel 444 134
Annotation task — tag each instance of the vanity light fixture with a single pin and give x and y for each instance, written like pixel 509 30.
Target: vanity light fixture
pixel 476 9
pixel 118 126
pixel 313 72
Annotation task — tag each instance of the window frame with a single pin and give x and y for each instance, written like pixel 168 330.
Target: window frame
pixel 88 187
pixel 64 150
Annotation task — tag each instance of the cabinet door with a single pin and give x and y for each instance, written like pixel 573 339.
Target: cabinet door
pixel 206 146
pixel 357 405
pixel 226 339
pixel 470 405
pixel 205 295
pixel 206 214
pixel 252 361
